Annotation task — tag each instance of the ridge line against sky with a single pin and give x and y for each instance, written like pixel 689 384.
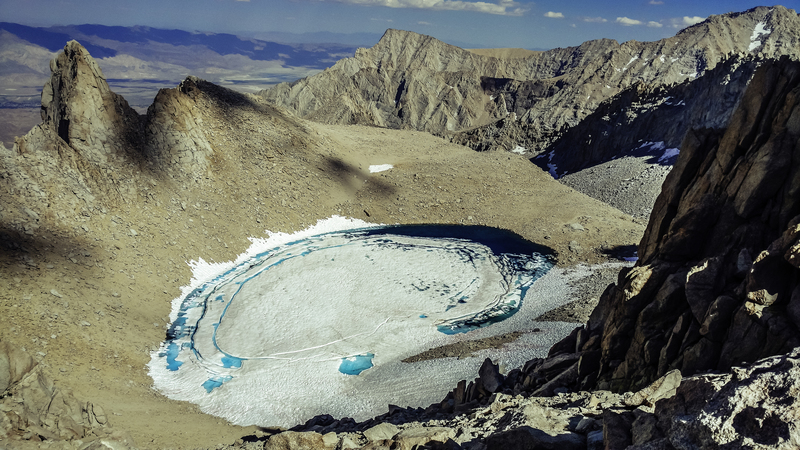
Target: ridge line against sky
pixel 542 24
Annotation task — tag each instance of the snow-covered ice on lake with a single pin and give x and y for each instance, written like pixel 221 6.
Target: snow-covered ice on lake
pixel 318 322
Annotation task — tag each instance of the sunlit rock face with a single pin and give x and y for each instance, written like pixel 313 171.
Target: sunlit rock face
pixel 319 322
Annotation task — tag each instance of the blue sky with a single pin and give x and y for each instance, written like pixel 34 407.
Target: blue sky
pixel 489 23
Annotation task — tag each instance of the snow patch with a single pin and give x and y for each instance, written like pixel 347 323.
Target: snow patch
pixel 552 167
pixel 668 102
pixel 660 146
pixel 755 38
pixel 520 150
pixel 380 168
pixel 669 153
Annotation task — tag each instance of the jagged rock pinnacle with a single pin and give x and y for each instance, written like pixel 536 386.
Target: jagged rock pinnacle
pixel 80 107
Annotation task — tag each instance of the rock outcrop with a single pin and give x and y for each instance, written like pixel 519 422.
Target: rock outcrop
pixel 32 408
pixel 78 104
pixel 749 408
pixel 753 407
pixel 92 151
pixel 717 278
pixel 413 81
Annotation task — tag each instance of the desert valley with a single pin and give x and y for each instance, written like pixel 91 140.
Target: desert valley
pixel 650 298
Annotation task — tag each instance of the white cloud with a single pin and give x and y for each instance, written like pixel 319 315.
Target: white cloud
pixel 687 21
pixel 375 19
pixel 499 7
pixel 628 22
pixel 653 24
pixel 595 19
pixel 554 15
pixel 424 23
pixel 656 2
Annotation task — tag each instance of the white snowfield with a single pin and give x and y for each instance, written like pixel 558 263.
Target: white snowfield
pixel 269 339
pixel 758 31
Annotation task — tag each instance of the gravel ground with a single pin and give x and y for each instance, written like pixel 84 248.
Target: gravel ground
pixel 630 183
pixel 586 290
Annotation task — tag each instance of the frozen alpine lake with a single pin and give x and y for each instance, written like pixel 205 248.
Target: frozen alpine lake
pixel 318 322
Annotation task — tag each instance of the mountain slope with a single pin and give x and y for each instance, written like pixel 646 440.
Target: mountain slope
pixel 413 81
pixel 102 209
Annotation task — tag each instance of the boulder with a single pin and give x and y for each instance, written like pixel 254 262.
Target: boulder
pixel 663 387
pixel 294 440
pixel 490 376
pixel 381 431
pixel 412 438
pixel 32 407
pixel 14 365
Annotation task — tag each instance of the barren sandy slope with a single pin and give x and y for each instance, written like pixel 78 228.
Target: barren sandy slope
pixel 90 298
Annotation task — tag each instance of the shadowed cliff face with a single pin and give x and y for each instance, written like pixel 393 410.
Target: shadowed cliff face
pixel 717 281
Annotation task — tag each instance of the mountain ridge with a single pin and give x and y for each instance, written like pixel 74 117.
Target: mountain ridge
pixel 102 210
pixel 414 81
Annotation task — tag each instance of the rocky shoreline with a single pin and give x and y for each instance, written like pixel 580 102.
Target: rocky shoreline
pixel 703 411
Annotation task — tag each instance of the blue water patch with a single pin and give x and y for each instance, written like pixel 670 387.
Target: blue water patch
pixel 215 382
pixel 229 362
pixel 172 353
pixel 354 365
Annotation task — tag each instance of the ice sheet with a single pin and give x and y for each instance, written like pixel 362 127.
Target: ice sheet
pixel 265 340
